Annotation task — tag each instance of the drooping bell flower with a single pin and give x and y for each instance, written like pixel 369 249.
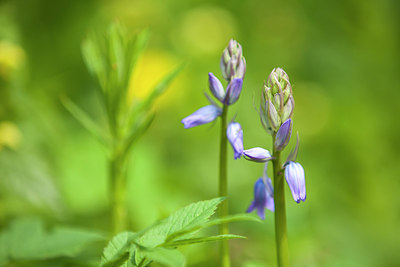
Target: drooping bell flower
pixel 263 197
pixel 294 174
pixel 235 137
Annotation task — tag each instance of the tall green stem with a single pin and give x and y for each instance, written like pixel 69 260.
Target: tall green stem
pixel 281 240
pixel 118 192
pixel 223 190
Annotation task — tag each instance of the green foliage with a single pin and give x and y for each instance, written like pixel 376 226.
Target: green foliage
pixel 111 58
pixel 158 242
pixel 28 239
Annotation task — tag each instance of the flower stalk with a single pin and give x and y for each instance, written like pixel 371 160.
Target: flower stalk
pixel 118 177
pixel 282 250
pixel 223 189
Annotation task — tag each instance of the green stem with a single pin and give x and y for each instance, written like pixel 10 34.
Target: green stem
pixel 280 211
pixel 223 190
pixel 118 192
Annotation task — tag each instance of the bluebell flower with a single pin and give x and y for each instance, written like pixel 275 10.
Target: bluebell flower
pixel 257 154
pixel 294 174
pixel 202 116
pixel 235 137
pixel 232 91
pixel 263 197
pixel 216 87
pixel 283 135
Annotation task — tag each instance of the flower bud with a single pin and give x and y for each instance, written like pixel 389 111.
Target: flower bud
pixel 283 136
pixel 216 87
pixel 202 116
pixel 257 154
pixel 277 100
pixel 233 91
pixel 233 64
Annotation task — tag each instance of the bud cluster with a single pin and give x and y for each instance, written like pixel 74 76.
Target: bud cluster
pixel 277 101
pixel 233 63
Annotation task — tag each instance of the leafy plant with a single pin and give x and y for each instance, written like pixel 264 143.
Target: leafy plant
pixel 29 240
pixel 158 242
pixel 111 57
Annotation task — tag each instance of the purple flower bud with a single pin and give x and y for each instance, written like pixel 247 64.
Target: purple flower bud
pixel 233 64
pixel 204 115
pixel 263 197
pixel 257 154
pixel 283 136
pixel 216 87
pixel 235 137
pixel 294 174
pixel 233 91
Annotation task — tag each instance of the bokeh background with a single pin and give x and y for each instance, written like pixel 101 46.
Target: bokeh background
pixel 343 61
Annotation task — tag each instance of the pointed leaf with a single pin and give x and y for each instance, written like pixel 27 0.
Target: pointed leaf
pixel 189 241
pixel 85 120
pixel 187 217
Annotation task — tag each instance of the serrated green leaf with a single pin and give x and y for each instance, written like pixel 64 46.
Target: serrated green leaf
pixel 85 120
pixel 187 217
pixel 189 241
pixel 117 251
pixel 227 219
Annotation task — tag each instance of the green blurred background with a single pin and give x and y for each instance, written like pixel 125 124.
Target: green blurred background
pixel 343 61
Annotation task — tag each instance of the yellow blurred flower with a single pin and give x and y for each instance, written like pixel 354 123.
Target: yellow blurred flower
pixel 11 57
pixel 150 69
pixel 10 135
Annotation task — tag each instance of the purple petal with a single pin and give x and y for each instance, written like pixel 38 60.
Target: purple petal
pixel 251 207
pixel 269 202
pixel 204 115
pixel 283 135
pixel 233 91
pixel 235 137
pixel 260 193
pixel 257 154
pixel 216 87
pixel 261 212
pixel 294 174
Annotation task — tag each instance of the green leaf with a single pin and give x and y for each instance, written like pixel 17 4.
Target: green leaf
pixel 27 239
pixel 138 130
pixel 85 120
pixel 187 217
pixel 165 256
pixel 189 241
pixel 117 251
pixel 227 219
